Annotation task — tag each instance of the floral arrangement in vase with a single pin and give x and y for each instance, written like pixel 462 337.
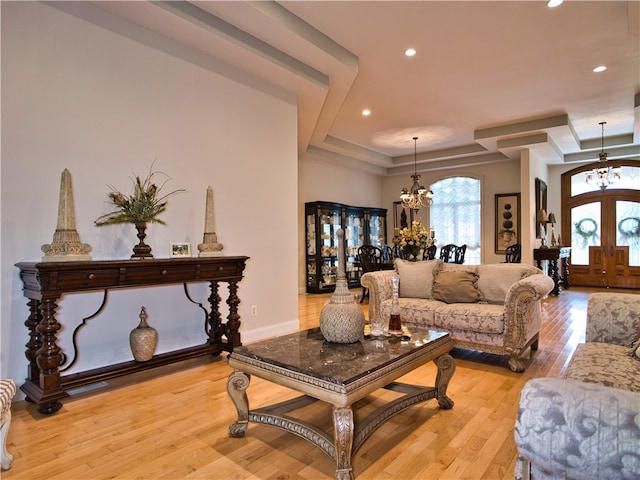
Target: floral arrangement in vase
pixel 413 240
pixel 143 206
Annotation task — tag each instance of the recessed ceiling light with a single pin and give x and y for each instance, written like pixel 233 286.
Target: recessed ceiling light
pixel 410 52
pixel 599 69
pixel 554 3
pixel 366 112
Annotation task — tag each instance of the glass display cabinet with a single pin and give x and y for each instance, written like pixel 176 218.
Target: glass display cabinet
pixel 354 238
pixel 322 220
pixel 376 226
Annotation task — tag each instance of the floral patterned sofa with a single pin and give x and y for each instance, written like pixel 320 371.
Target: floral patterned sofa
pixel 587 424
pixel 493 308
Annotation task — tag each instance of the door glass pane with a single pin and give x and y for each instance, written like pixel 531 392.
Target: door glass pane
pixel 585 231
pixel 628 229
pixel 629 178
pixel 354 235
pixel 375 230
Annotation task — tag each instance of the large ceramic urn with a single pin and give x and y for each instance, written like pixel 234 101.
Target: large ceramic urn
pixel 342 319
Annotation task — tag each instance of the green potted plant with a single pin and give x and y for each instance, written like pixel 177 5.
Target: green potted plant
pixel 143 206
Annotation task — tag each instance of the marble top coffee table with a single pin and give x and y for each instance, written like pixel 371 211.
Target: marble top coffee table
pixel 339 374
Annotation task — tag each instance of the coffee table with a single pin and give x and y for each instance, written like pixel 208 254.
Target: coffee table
pixel 339 374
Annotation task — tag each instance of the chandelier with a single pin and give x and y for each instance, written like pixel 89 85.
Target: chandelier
pixel 602 174
pixel 417 196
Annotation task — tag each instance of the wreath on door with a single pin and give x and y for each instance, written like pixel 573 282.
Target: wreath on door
pixel 586 229
pixel 629 229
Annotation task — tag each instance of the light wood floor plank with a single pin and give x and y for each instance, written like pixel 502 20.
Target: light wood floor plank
pixel 171 423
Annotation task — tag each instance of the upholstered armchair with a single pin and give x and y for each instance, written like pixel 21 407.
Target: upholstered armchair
pixel 7 391
pixel 587 425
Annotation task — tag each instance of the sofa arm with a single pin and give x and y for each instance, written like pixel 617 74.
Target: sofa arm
pixel 571 429
pixel 380 288
pixel 613 318
pixel 522 311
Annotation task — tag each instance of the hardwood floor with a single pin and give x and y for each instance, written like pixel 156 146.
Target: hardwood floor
pixel 171 423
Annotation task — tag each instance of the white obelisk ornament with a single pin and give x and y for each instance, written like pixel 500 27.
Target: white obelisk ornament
pixel 209 246
pixel 66 243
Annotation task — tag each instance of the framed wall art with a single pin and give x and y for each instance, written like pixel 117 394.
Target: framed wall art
pixel 508 224
pixel 402 217
pixel 541 203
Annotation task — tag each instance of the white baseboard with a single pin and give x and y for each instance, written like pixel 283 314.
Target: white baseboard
pixel 257 334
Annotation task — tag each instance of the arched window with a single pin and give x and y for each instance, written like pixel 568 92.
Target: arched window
pixel 455 214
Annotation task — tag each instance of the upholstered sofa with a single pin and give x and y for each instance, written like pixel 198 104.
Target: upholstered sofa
pixel 493 308
pixel 587 424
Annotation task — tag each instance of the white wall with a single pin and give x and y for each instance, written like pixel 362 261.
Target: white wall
pixel 78 96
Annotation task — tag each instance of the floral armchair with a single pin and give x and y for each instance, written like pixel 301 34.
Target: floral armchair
pixel 587 425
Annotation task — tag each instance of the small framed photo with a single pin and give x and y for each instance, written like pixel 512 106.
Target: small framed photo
pixel 180 249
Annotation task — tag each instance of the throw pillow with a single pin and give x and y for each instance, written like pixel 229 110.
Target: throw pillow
pixel 416 278
pixel 456 287
pixel 495 280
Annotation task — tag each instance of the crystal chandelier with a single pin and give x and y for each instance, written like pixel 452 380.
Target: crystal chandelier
pixel 417 196
pixel 602 174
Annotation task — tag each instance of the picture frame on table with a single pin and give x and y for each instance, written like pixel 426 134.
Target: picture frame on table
pixel 508 221
pixel 180 249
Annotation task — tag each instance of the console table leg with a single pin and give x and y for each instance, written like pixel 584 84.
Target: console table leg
pixel 565 273
pixel 233 319
pixel 34 344
pixel 343 438
pixel 216 329
pixel 49 358
pixel 446 368
pixel 237 385
pixel 553 267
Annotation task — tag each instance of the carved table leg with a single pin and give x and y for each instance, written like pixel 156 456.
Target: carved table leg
pixel 216 329
pixel 553 273
pixel 343 438
pixel 446 368
pixel 49 357
pixel 565 273
pixel 233 319
pixel 237 385
pixel 34 344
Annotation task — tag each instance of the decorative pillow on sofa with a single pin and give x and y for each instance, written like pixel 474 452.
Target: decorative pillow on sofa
pixel 416 278
pixel 456 287
pixel 495 280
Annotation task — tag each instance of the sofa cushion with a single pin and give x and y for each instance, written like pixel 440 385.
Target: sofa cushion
pixel 475 317
pixel 456 287
pixel 416 278
pixel 418 311
pixel 494 280
pixel 606 364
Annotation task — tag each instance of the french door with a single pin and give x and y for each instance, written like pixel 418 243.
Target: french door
pixel 603 227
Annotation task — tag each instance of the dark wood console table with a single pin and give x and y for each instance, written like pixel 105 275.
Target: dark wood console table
pixel 45 282
pixel 552 255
